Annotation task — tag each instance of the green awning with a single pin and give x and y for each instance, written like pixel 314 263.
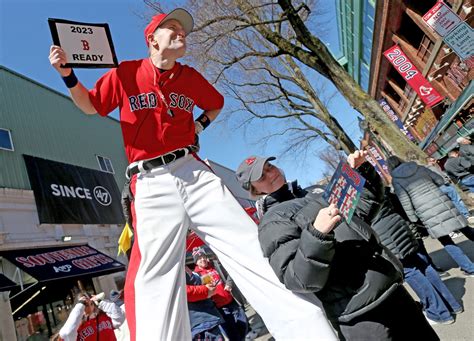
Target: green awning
pixel 452 111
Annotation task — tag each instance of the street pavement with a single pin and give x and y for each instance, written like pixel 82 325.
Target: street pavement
pixel 461 286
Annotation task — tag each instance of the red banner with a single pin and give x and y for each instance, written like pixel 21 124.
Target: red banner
pixel 413 77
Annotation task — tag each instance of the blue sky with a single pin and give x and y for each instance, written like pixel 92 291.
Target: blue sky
pixel 26 38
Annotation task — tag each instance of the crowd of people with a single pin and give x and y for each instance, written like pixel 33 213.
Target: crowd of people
pixel 213 310
pixel 310 255
pixel 460 164
pixel 214 313
pixel 173 190
pixel 318 277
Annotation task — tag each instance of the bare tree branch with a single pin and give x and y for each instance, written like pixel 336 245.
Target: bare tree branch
pixel 264 81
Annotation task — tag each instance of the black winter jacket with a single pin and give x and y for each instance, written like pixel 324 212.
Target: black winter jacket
pixel 348 269
pixel 394 232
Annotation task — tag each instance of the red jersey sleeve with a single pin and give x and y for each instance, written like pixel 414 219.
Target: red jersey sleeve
pixel 208 98
pixel 106 94
pixel 196 292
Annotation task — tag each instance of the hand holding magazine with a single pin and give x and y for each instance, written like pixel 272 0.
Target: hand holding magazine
pixel 346 186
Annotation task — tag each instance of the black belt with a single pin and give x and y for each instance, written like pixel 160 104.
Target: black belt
pixel 160 161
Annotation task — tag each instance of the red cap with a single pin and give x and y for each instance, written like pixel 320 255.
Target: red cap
pixel 179 14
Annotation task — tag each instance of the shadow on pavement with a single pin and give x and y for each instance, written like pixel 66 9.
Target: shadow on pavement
pixel 442 259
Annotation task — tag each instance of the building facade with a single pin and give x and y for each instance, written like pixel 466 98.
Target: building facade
pixel 434 128
pixel 40 123
pixel 356 28
pixel 401 23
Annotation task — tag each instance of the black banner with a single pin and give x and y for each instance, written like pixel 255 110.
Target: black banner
pixel 67 194
pixel 46 264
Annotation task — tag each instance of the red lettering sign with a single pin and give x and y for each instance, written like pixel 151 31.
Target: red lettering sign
pixel 351 173
pixel 410 73
pixel 55 256
pixel 441 18
pixel 91 261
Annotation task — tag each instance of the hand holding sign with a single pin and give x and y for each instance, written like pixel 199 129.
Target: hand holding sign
pixel 57 58
pixel 346 186
pixel 327 219
pixel 357 158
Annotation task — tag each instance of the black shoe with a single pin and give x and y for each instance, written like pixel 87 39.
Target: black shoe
pixel 437 268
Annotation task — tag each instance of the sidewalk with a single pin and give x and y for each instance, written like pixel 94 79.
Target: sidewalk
pixel 462 288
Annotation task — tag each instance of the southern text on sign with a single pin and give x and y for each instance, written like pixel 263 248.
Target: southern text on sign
pixel 55 256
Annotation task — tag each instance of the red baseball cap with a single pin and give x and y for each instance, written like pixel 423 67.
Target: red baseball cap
pixel 179 14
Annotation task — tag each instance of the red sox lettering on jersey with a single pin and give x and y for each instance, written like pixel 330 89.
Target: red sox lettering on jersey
pixel 181 102
pixel 149 101
pixel 142 101
pixel 102 325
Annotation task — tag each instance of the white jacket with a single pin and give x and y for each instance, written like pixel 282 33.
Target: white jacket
pixel 69 331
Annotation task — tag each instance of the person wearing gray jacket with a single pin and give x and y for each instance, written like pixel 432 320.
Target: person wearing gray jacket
pixel 449 189
pixel 417 188
pixel 460 169
pixel 466 149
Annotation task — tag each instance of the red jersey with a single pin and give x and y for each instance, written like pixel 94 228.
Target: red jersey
pixel 87 331
pixel 221 297
pixel 156 109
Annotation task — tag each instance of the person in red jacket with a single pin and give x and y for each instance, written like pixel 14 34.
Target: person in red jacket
pixel 236 324
pixel 206 321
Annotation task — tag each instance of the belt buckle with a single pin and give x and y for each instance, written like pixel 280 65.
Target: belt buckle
pixel 169 154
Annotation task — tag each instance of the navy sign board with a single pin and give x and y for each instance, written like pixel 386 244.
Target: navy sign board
pixel 46 264
pixel 344 190
pixel 86 45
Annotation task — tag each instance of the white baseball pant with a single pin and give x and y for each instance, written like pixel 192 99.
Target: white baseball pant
pixel 186 193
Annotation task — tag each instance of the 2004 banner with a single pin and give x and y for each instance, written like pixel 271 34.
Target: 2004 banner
pixel 413 76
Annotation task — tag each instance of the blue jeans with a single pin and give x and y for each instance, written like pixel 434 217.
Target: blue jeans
pixel 437 300
pixel 214 334
pixel 236 324
pixel 468 181
pixel 456 252
pixel 451 192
